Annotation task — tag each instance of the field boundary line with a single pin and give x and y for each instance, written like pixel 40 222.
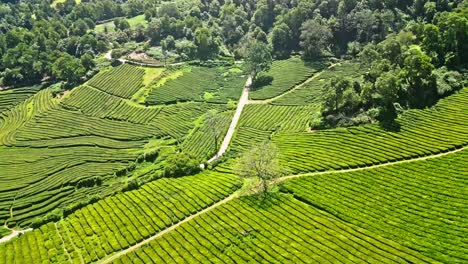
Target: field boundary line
pixel 295 87
pixel 438 155
pixel 118 254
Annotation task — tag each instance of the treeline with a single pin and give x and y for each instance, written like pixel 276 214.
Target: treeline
pixel 40 40
pixel 411 69
pixel 35 34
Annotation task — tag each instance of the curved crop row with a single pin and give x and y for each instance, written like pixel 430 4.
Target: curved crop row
pixel 422 205
pixel 201 142
pixel 418 133
pixel 123 81
pixel 120 221
pixel 96 103
pixel 286 74
pixel 279 230
pixel 217 85
pixel 277 118
pixel 15 118
pixel 311 92
pixel 14 96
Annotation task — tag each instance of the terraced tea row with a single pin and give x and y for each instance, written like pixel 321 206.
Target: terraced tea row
pixel 17 117
pixel 57 144
pixel 277 118
pixel 218 85
pixel 93 102
pixel 421 132
pixel 311 92
pixel 49 179
pixel 12 97
pixel 117 222
pixel 422 205
pixel 122 81
pixel 279 230
pixel 201 142
pixel 286 74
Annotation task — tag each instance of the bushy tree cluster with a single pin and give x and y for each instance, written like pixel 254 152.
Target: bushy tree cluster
pixel 411 69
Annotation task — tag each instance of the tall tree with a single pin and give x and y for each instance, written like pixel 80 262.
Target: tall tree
pixel 261 162
pixel 281 40
pixel 207 46
pixel 68 68
pixel 258 58
pixel 315 37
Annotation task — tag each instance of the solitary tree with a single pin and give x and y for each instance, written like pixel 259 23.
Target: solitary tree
pixel 262 163
pixel 213 121
pixel 258 58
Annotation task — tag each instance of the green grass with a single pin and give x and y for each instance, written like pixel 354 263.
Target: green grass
pixel 286 74
pixel 133 21
pixel 422 205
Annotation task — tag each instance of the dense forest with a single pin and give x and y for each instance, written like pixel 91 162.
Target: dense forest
pixel 415 51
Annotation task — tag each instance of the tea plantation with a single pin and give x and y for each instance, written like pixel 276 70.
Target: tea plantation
pixel 89 171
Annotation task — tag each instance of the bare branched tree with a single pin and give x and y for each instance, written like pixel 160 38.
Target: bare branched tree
pixel 261 162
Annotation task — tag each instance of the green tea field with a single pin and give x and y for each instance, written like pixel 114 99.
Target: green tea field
pixel 98 173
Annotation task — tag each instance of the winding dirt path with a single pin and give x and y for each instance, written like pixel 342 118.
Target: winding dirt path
pixel 244 99
pixel 108 55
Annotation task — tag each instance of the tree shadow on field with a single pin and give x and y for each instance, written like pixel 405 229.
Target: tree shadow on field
pixel 261 81
pixel 390 125
pixel 262 201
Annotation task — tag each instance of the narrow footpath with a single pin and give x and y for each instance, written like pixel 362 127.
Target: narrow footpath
pixel 14 233
pixel 244 99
